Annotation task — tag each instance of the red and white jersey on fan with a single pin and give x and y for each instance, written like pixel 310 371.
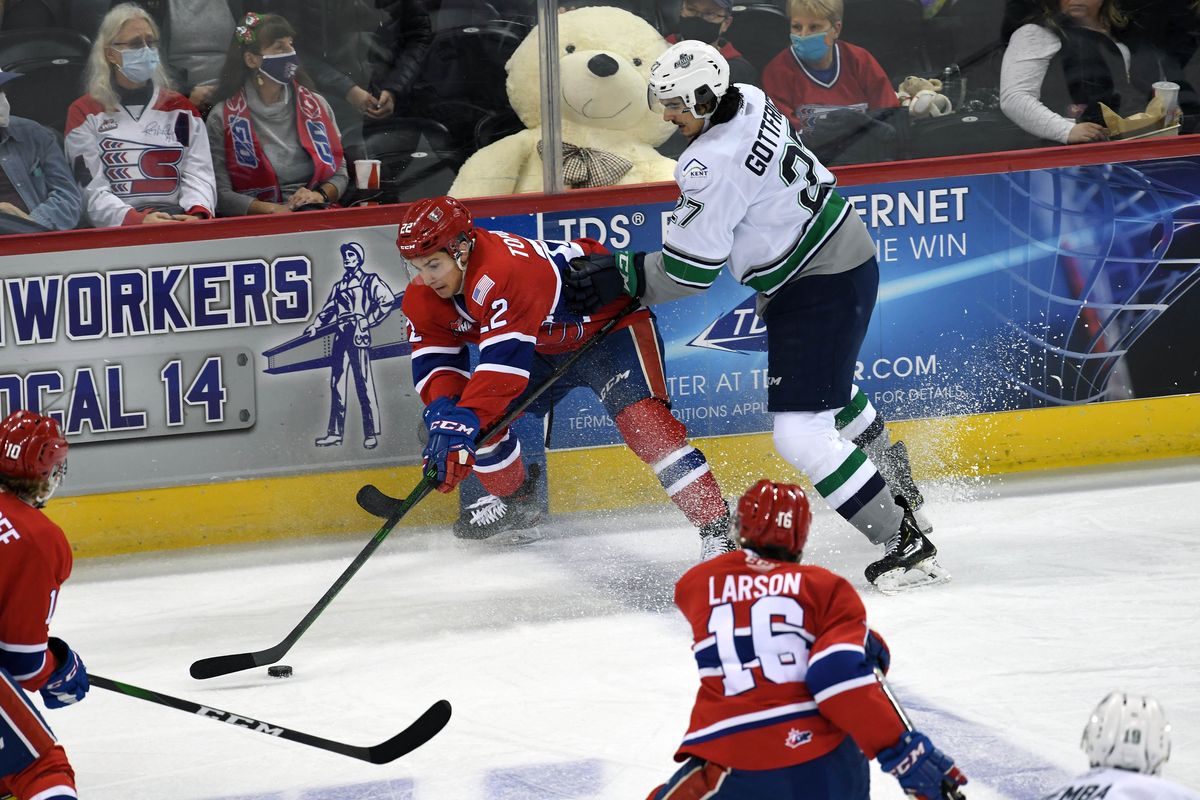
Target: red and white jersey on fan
pixel 783 671
pixel 511 305
pixel 35 559
pixel 158 158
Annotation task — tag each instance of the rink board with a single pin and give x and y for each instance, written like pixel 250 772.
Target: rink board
pixel 612 477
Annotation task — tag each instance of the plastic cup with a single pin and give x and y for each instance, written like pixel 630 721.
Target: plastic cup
pixel 366 173
pixel 1168 92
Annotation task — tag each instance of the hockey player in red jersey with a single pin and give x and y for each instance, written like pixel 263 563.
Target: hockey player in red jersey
pixel 789 705
pixel 35 559
pixel 503 292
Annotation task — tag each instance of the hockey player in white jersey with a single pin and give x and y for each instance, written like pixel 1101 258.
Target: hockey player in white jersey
pixel 1127 740
pixel 755 200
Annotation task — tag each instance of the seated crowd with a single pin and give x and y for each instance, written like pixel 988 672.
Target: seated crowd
pixel 233 107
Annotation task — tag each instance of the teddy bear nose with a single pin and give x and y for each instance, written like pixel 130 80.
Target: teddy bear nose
pixel 602 65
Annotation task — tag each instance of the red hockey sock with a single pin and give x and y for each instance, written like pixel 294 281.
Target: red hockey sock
pixel 505 481
pixel 661 441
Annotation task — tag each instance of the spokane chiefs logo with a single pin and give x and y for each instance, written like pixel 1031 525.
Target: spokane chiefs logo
pixel 797 738
pixel 133 169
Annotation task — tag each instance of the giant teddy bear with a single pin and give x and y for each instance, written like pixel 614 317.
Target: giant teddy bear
pixel 609 131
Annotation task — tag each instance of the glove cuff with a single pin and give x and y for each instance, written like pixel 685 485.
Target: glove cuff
pixel 633 274
pixel 59 649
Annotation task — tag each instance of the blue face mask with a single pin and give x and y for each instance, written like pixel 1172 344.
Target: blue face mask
pixel 139 65
pixel 809 48
pixel 281 68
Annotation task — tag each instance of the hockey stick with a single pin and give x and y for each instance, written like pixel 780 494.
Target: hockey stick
pixel 376 502
pixel 950 790
pixel 392 510
pixel 425 728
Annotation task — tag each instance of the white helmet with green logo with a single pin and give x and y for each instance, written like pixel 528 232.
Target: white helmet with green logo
pixel 693 71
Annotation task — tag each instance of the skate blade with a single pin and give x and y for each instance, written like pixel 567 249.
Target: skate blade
pixel 926 573
pixel 517 538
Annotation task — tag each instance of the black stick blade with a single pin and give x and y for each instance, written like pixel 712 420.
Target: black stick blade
pixel 425 728
pixel 376 503
pixel 224 665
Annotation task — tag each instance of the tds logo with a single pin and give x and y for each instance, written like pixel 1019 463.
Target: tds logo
pixel 134 169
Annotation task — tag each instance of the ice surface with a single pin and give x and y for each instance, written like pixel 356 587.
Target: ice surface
pixel 569 669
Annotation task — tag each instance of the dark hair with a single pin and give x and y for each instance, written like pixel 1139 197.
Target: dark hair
pixel 728 105
pixel 268 29
pixel 1050 15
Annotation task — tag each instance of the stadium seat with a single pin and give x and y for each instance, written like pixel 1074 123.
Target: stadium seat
pixel 418 158
pixel 893 31
pixel 85 15
pixel 461 13
pixel 22 14
pixel 957 135
pixel 467 64
pixel 760 32
pixel 495 126
pixel 52 62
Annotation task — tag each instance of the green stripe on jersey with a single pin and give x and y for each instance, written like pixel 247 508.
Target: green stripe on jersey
pixel 689 273
pixel 832 482
pixel 818 229
pixel 858 401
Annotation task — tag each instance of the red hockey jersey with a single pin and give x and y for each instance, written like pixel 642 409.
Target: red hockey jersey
pixel 35 559
pixel 857 80
pixel 510 305
pixel 783 671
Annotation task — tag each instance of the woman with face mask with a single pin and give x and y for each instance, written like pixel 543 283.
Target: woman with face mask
pixel 275 144
pixel 820 72
pixel 139 149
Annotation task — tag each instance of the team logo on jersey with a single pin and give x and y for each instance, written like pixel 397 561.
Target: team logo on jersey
pixel 797 738
pixel 683 61
pixel 135 169
pixel 695 169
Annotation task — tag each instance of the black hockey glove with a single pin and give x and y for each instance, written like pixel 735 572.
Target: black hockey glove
pixel 595 281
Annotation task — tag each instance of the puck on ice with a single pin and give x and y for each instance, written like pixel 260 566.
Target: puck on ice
pixel 280 671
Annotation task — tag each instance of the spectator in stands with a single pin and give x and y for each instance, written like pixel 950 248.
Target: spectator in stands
pixel 195 37
pixel 364 56
pixel 706 21
pixel 275 145
pixel 35 182
pixel 819 72
pixel 139 149
pixel 1070 57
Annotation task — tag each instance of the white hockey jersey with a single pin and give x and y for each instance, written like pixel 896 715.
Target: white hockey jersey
pixel 159 158
pixel 753 197
pixel 1120 784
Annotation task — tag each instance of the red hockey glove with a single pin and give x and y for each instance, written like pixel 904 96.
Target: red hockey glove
pixel 451 445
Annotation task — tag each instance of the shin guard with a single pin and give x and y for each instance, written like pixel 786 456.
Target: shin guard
pixel 841 472
pixel 660 440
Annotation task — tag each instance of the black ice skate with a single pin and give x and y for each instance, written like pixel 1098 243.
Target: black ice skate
pixel 910 560
pixel 715 538
pixel 490 515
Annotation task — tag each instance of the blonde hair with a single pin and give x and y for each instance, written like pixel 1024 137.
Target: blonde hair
pixel 831 10
pixel 98 77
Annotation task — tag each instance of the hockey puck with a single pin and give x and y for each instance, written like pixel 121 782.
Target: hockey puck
pixel 280 671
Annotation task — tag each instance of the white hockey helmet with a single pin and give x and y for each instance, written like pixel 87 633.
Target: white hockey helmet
pixel 692 71
pixel 1128 731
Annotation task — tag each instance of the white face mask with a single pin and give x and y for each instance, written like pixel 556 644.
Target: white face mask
pixel 4 110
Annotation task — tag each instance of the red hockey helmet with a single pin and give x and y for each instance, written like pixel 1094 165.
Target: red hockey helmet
pixel 774 516
pixel 33 452
pixel 437 223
